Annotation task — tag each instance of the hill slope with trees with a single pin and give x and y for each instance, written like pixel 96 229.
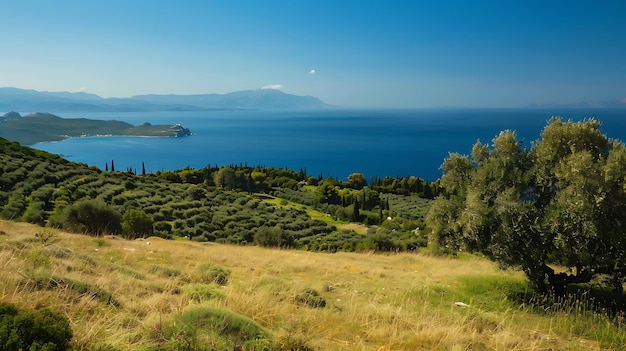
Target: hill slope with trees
pixel 230 204
pixel 40 127
pixel 555 211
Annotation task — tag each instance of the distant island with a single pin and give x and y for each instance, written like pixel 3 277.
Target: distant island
pixel 41 127
pixel 14 99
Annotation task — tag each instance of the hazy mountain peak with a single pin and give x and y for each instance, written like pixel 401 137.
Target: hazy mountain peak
pixel 32 100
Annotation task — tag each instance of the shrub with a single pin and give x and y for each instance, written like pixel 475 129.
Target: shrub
pixel 208 273
pixel 93 217
pixel 163 226
pixel 136 224
pixel 45 236
pixel 310 298
pixel 34 213
pixel 219 329
pixel 273 237
pixel 14 208
pixel 42 330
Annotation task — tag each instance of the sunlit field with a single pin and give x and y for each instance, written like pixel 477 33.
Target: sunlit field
pixel 182 295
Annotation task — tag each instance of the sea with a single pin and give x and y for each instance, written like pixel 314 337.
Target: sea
pixel 328 142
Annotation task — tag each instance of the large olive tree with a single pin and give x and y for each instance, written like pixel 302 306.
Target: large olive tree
pixel 90 217
pixel 561 202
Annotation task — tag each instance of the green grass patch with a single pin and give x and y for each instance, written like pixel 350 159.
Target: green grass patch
pixel 314 214
pixel 203 292
pixel 205 328
pixel 491 293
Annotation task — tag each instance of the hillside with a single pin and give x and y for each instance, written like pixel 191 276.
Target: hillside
pixel 160 294
pixel 13 99
pixel 232 204
pixel 40 127
pixel 200 260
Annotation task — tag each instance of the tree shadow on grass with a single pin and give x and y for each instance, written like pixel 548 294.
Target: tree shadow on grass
pixel 578 298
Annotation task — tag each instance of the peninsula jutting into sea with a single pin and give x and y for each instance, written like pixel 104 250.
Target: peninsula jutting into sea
pixel 40 127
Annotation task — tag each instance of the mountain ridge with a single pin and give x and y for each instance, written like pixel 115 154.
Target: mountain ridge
pixel 611 103
pixel 15 99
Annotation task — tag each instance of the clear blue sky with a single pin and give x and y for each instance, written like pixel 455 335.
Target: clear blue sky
pixel 352 53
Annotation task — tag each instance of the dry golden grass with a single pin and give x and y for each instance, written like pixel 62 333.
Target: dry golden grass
pixel 377 302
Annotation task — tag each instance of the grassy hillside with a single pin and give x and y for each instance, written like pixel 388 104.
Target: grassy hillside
pixel 164 294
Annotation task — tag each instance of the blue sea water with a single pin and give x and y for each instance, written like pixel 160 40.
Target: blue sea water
pixel 328 142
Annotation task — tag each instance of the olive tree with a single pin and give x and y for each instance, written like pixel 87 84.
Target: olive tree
pixel 561 202
pixel 91 217
pixel 225 178
pixel 136 224
pixel 357 181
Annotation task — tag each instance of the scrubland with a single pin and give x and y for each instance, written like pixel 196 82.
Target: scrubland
pixel 153 293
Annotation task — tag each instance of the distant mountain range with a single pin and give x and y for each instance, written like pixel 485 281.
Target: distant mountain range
pixel 614 103
pixel 14 99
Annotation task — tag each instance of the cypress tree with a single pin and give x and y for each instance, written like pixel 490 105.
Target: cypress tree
pixel 112 166
pixel 250 184
pixel 143 169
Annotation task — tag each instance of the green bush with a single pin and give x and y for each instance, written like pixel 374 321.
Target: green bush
pixel 310 298
pixel 163 226
pixel 91 217
pixel 273 237
pixel 14 207
pixel 136 224
pixel 34 213
pixel 41 330
pixel 208 273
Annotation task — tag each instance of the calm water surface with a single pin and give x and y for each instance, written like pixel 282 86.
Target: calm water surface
pixel 335 142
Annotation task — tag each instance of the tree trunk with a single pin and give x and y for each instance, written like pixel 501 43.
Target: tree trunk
pixel 558 282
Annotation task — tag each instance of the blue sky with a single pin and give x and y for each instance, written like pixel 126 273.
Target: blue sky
pixel 349 53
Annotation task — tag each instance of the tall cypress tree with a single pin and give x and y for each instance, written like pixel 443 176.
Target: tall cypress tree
pixel 356 215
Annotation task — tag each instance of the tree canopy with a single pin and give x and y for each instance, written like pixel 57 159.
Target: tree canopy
pixel 561 202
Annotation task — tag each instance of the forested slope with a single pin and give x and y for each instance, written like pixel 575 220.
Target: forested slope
pixel 234 204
